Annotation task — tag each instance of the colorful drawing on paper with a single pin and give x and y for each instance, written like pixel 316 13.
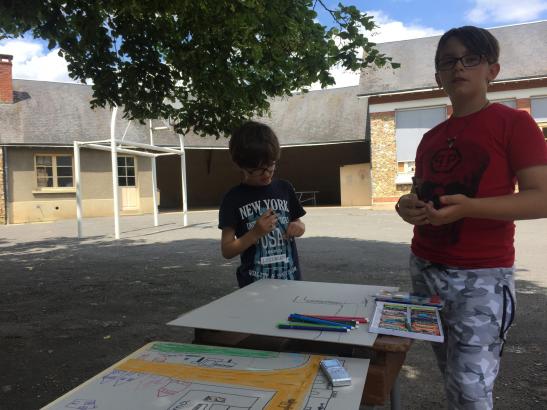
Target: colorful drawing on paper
pixel 413 321
pixel 173 376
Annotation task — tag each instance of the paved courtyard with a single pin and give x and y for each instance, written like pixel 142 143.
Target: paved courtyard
pixel 70 308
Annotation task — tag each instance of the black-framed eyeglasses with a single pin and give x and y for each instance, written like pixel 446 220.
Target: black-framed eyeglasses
pixel 468 60
pixel 258 172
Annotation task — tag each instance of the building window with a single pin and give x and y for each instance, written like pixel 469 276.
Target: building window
pixel 410 126
pixel 509 102
pixel 538 109
pixel 126 171
pixel 406 167
pixel 54 171
pixel 543 127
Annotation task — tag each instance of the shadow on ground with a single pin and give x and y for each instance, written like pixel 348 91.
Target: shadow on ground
pixel 70 309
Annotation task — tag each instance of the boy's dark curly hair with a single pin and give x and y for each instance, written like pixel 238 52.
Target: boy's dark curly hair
pixel 254 145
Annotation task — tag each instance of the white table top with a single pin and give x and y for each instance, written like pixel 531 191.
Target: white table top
pixel 257 308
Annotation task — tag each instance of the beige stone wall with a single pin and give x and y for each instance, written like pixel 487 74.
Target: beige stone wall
pixel 2 187
pixel 384 158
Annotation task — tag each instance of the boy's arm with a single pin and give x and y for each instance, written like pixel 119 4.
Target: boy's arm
pixel 232 246
pixel 529 203
pixel 296 228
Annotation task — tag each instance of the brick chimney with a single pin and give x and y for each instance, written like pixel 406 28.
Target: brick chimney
pixel 6 84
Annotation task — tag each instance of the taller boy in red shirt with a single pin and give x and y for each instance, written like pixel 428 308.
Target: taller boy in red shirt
pixel 463 206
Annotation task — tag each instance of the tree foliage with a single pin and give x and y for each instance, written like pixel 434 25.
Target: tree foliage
pixel 206 64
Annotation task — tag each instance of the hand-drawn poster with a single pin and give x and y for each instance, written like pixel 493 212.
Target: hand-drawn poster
pixel 174 376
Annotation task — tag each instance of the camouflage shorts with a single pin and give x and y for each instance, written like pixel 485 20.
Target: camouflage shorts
pixel 479 308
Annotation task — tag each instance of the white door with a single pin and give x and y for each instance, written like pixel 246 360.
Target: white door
pixel 127 182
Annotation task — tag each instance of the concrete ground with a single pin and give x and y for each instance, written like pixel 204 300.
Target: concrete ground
pixel 69 308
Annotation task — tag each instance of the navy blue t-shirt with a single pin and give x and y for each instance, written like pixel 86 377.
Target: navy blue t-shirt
pixel 272 256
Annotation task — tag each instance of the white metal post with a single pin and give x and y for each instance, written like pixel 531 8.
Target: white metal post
pixel 114 157
pixel 132 150
pixel 78 187
pixel 154 179
pixel 183 177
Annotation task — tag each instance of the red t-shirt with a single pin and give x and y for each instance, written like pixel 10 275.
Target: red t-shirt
pixel 489 147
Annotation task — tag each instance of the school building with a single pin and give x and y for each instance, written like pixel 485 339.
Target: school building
pixel 321 133
pixel 345 146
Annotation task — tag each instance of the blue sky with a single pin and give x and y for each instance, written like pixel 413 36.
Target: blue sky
pixel 397 20
pixel 443 15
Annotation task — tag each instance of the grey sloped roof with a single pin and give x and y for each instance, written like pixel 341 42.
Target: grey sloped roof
pixel 46 113
pixel 523 54
pixel 59 113
pixel 323 116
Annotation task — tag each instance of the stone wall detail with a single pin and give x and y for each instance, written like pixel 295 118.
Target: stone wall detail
pixel 383 152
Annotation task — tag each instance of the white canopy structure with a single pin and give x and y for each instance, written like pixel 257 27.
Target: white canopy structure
pixel 116 146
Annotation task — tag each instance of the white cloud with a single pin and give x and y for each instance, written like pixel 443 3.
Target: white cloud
pixel 343 78
pixel 504 11
pixel 32 61
pixel 393 30
pixel 388 30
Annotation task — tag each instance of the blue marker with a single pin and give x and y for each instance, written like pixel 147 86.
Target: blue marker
pixel 317 328
pixel 294 317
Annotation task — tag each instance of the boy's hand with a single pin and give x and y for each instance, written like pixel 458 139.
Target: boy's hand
pixel 295 228
pixel 455 207
pixel 412 210
pixel 266 223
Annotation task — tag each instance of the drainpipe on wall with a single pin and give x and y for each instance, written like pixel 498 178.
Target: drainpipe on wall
pixel 5 184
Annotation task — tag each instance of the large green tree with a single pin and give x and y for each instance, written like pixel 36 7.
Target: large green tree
pixel 206 64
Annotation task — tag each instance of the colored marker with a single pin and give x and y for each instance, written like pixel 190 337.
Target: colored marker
pixel 340 318
pixel 318 328
pixel 352 323
pixel 300 318
pixel 294 321
pixel 310 325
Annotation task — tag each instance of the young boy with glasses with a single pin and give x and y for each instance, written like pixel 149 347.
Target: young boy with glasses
pixel 463 206
pixel 260 217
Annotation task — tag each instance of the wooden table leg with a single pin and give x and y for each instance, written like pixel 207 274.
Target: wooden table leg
pixel 382 376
